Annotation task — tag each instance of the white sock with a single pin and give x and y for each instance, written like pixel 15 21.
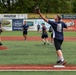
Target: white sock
pixel 62 59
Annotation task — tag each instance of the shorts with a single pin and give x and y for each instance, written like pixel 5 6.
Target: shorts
pixel 38 29
pixel 58 44
pixel 0 31
pixel 44 36
pixel 24 32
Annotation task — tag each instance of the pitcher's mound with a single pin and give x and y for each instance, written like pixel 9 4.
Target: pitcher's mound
pixel 3 48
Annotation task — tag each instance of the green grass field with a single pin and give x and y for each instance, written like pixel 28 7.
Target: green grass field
pixel 38 73
pixel 19 33
pixel 34 52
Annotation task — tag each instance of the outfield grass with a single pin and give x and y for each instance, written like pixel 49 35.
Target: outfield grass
pixel 38 73
pixel 33 52
pixel 19 33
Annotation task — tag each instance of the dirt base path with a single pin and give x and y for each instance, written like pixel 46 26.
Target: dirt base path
pixel 36 68
pixel 31 38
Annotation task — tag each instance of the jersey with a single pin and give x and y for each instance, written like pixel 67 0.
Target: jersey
pixel 25 27
pixel 44 30
pixel 38 26
pixel 58 29
pixel 0 23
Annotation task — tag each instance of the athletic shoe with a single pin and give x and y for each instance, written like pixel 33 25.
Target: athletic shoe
pixel 64 62
pixel 58 61
pixel 0 44
pixel 61 62
pixel 44 43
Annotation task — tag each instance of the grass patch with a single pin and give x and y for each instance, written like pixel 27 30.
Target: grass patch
pixel 34 33
pixel 38 73
pixel 33 52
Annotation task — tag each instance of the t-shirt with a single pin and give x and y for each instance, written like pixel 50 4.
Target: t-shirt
pixel 38 26
pixel 25 27
pixel 44 30
pixel 58 29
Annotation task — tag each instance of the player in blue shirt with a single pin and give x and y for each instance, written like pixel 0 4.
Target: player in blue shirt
pixel 58 36
pixel 0 33
pixel 38 28
pixel 25 30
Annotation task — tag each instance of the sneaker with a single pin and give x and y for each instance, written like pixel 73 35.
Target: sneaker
pixel 58 61
pixel 0 44
pixel 61 62
pixel 64 62
pixel 44 43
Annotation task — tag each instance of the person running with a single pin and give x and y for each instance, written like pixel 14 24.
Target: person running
pixel 25 30
pixel 38 28
pixel 44 34
pixel 0 32
pixel 57 26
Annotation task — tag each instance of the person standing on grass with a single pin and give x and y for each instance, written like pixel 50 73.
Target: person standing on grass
pixel 25 30
pixel 57 26
pixel 44 34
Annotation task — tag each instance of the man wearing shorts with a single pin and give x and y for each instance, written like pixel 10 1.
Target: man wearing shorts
pixel 25 30
pixel 38 28
pixel 58 36
pixel 0 32
pixel 44 34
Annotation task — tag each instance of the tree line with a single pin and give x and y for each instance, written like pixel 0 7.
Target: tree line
pixel 46 6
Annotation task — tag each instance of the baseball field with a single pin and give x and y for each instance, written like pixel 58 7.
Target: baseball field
pixel 31 57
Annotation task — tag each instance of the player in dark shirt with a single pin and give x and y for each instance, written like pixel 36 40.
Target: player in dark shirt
pixel 44 34
pixel 58 36
pixel 25 30
pixel 0 33
pixel 38 28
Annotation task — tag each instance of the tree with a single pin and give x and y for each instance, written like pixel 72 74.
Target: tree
pixel 46 6
pixel 73 6
pixel 7 5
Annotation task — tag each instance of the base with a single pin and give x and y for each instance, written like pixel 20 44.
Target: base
pixel 59 66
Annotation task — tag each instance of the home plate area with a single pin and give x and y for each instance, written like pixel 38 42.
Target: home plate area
pixel 37 68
